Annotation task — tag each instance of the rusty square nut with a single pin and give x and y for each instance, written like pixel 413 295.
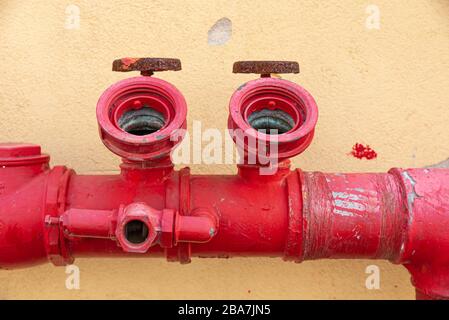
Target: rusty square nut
pixel 137 227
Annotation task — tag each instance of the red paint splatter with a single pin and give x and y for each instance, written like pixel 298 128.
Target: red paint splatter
pixel 360 151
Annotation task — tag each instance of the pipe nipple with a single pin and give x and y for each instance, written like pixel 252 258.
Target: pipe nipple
pixel 137 226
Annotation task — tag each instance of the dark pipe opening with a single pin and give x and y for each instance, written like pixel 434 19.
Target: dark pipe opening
pixel 271 121
pixel 136 231
pixel 142 121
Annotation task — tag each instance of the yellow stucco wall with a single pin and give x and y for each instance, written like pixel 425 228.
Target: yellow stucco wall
pixel 387 87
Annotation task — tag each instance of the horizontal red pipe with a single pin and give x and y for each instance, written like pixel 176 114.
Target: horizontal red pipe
pixel 401 216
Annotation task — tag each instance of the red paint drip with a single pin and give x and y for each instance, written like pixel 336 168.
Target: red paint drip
pixel 360 151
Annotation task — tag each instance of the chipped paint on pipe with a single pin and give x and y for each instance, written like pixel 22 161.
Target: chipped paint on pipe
pixel 152 210
pixel 295 215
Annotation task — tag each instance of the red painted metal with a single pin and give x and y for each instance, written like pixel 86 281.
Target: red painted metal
pixel 272 93
pixel 55 214
pixel 135 93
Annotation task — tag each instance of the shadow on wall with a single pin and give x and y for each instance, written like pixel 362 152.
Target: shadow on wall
pixel 442 164
pixel 441 6
pixel 4 4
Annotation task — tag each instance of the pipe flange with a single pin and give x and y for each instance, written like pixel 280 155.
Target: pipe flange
pixel 272 119
pixel 142 118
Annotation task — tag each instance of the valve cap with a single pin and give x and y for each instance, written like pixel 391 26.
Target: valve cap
pixel 266 67
pixel 146 66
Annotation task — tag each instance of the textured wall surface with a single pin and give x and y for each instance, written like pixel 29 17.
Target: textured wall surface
pixel 386 87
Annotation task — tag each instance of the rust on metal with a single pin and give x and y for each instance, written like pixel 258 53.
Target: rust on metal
pixel 146 65
pixel 266 67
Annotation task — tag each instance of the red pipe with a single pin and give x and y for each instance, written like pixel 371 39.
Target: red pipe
pixel 149 208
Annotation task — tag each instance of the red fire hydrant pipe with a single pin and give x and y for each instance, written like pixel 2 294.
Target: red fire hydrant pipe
pixel 151 209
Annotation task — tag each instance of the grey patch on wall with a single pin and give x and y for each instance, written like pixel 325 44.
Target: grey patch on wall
pixel 442 164
pixel 220 33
